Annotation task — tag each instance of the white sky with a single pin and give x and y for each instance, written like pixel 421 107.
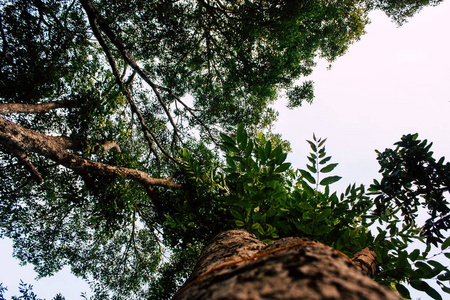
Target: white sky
pixel 393 82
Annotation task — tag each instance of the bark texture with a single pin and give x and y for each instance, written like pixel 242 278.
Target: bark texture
pixel 13 136
pixel 7 108
pixel 236 265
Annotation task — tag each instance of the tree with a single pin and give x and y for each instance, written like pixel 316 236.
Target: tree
pixel 271 200
pixel 99 149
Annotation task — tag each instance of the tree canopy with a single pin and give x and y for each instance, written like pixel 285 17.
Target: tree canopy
pixel 111 155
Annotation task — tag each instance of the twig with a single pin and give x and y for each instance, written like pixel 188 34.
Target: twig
pixel 190 111
pixel 25 161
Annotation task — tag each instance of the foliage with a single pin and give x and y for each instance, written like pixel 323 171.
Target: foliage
pixel 401 10
pixel 27 293
pixel 261 193
pixel 298 94
pixel 121 69
pixel 412 177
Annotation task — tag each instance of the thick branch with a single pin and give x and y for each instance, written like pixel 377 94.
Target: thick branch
pixel 366 261
pixel 75 144
pixel 17 137
pixel 8 108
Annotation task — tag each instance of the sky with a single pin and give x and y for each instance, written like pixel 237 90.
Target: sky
pixel 394 81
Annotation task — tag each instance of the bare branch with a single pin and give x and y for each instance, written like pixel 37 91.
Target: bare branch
pixel 24 160
pixel 8 108
pixel 18 137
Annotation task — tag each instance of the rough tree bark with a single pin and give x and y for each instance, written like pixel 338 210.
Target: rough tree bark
pixel 7 108
pixel 236 265
pixel 22 140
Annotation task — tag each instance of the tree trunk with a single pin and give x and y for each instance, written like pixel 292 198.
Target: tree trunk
pixel 236 265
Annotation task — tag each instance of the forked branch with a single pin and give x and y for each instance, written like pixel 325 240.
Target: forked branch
pixel 96 19
pixel 17 137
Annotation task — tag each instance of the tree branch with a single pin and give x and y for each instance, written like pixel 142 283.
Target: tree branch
pixel 366 261
pixel 24 160
pixel 8 108
pixel 127 56
pixel 18 137
pixel 93 20
pixel 190 111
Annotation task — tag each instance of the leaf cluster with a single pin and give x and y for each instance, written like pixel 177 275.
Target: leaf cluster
pixel 412 178
pixel 260 192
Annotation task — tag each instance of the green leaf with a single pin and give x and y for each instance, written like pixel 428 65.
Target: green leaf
pixel 240 132
pixel 433 293
pixel 322 142
pixel 241 137
pixel 312 169
pixel 444 277
pixel 323 215
pixel 445 244
pixel 437 265
pixel 262 155
pixel 255 226
pixel 328 168
pixel 249 148
pixel 309 190
pixel 414 255
pixel 268 149
pixel 230 162
pixel 283 167
pixel 307 176
pixel 258 227
pixel 419 285
pixel 330 180
pixel 239 223
pixel 402 259
pixel 231 147
pixel 425 287
pixel 236 214
pixel 227 139
pixel 380 237
pixel 276 152
pixel 323 230
pixel 325 160
pixel 312 145
pixel 302 228
pixel 403 290
pixel 305 206
pixel 281 158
